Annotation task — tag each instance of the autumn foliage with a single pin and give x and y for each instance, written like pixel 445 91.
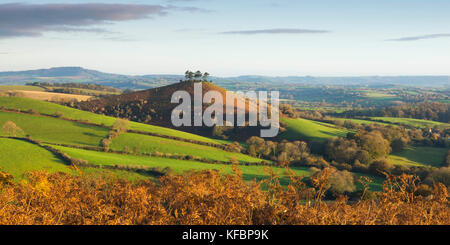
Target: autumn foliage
pixel 209 198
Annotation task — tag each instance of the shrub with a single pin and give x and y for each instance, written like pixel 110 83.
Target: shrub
pixel 380 166
pixel 341 182
pixel 59 114
pixel 11 129
pixel 441 175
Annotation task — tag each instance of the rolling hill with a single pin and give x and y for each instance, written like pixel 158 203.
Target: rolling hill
pixel 47 108
pixel 153 106
pixel 75 130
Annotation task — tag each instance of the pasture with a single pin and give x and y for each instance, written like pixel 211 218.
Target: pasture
pixel 178 166
pixel 54 130
pixel 149 144
pixel 51 109
pixel 303 129
pixel 19 157
pixel 420 156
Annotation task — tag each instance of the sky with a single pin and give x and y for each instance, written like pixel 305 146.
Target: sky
pixel 229 38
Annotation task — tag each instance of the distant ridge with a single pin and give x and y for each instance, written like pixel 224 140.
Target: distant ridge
pixel 81 75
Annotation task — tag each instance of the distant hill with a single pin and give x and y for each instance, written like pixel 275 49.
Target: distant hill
pixel 81 75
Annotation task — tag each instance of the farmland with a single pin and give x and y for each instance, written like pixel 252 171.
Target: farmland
pixel 148 144
pixel 179 166
pixel 420 156
pixel 420 123
pixel 303 129
pixel 19 157
pixel 48 108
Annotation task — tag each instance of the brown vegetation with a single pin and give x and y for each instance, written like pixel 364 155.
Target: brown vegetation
pixel 11 129
pixel 208 198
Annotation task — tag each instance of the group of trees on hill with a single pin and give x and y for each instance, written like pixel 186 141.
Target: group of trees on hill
pixel 197 76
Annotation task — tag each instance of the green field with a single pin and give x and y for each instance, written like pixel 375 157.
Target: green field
pixel 303 129
pixel 179 166
pixel 420 156
pixel 21 87
pixel 149 144
pixel 91 91
pixel 18 157
pixel 360 121
pixel 411 122
pixel 55 130
pixel 51 108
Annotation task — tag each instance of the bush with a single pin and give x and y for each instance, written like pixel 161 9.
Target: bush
pixel 441 175
pixel 11 129
pixel 59 114
pixel 380 166
pixel 341 182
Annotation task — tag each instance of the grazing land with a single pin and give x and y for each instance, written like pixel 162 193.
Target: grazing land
pixel 178 166
pixel 148 144
pixel 303 129
pixel 19 157
pixel 419 123
pixel 420 156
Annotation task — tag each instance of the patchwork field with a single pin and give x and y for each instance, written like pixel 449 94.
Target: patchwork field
pixel 55 130
pixel 412 122
pixel 51 109
pixel 148 144
pixel 303 129
pixel 179 166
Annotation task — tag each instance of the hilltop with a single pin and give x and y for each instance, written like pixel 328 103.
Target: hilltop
pixel 153 106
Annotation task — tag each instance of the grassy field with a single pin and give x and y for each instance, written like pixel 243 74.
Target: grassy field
pixel 18 157
pixel 113 174
pixel 48 96
pixel 148 144
pixel 420 156
pixel 360 121
pixel 412 122
pixel 179 166
pixel 91 91
pixel 303 129
pixel 21 87
pixel 55 130
pixel 51 108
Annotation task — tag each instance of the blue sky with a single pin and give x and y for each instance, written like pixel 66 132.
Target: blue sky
pixel 227 38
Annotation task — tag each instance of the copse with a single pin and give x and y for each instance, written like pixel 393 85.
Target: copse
pixel 197 76
pixel 381 166
pixel 283 152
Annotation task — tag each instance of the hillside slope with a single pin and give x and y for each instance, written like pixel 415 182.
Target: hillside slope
pixel 154 106
pixel 26 104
